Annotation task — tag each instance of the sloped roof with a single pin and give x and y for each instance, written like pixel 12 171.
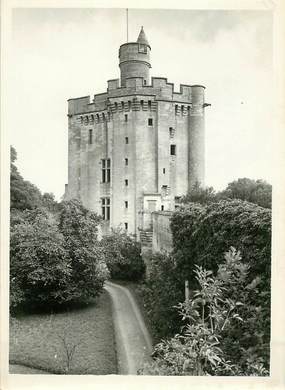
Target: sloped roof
pixel 142 38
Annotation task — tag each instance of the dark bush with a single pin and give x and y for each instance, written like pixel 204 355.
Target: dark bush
pixel 123 256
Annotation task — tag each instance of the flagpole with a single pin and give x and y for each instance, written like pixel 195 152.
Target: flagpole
pixel 127 15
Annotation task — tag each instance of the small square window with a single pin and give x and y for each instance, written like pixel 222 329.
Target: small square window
pixel 173 150
pixel 126 117
pixel 126 182
pixel 150 121
pixel 126 162
pixel 127 140
pixel 126 204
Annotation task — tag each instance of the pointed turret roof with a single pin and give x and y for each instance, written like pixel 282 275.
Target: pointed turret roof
pixel 142 38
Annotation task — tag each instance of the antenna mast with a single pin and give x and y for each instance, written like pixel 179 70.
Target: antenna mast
pixel 127 15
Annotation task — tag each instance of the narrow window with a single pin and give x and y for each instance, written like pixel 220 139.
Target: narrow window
pixel 162 207
pixel 126 182
pixel 123 105
pixel 103 171
pixel 103 208
pixel 176 109
pixel 126 117
pixel 90 136
pixel 126 225
pixel 92 118
pixel 149 104
pixel 129 104
pixel 116 106
pixel 108 170
pixel 173 150
pixel 97 117
pixel 182 109
pixel 86 120
pixel 171 132
pixel 144 82
pixel 103 117
pixel 127 140
pixel 141 103
pixel 163 171
pixel 106 209
pixel 126 204
pixel 126 162
pixel 81 119
pixel 150 121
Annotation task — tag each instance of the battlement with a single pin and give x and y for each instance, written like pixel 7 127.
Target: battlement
pixel 159 89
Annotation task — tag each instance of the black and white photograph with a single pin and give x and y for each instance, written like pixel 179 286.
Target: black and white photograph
pixel 142 170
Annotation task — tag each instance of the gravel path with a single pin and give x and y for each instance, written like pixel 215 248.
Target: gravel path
pixel 132 338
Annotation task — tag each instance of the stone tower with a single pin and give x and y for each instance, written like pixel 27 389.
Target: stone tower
pixel 136 147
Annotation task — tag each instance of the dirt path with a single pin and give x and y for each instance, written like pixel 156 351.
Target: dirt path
pixel 132 338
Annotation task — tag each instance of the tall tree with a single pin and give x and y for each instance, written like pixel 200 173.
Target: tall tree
pixel 23 194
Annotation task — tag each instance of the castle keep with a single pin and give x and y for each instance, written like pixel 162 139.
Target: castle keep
pixel 137 147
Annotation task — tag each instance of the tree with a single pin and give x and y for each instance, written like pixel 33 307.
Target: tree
pixel 23 194
pixel 39 266
pixel 207 315
pixel 79 228
pixel 199 194
pixel 254 191
pixel 123 256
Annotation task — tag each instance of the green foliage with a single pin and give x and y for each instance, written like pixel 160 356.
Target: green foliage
pixel 79 227
pixel 200 235
pixel 199 194
pixel 123 256
pixel 208 315
pixel 23 194
pixel 55 262
pixel 39 267
pixel 161 291
pixel 255 191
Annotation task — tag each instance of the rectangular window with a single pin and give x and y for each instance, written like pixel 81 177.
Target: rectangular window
pixel 90 137
pixel 163 171
pixel 106 208
pixel 126 204
pixel 126 117
pixel 126 225
pixel 126 162
pixel 171 132
pixel 127 140
pixel 162 207
pixel 150 122
pixel 106 170
pixel 126 182
pixel 173 150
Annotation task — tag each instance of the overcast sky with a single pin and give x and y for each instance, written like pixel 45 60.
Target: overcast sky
pixel 58 54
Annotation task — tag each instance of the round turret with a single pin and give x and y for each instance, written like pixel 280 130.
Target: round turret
pixel 135 59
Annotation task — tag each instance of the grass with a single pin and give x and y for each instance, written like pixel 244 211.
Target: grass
pixel 44 341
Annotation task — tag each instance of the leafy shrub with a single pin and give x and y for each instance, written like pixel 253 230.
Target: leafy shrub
pixel 79 227
pixel 201 234
pixel 53 263
pixel 123 256
pixel 161 291
pixel 39 267
pixel 208 314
